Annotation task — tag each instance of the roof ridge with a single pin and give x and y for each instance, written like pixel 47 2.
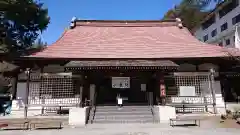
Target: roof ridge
pixel 165 20
pixel 127 23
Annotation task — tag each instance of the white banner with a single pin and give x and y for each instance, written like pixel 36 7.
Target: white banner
pixel 187 91
pixel 120 82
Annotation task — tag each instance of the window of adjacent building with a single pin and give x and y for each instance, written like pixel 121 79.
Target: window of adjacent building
pixel 236 19
pixel 220 44
pixel 228 8
pixel 214 33
pixel 227 41
pixel 205 38
pixel 209 22
pixel 224 26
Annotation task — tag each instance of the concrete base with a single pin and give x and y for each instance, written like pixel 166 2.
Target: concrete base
pixel 238 120
pixel 220 105
pixel 78 116
pixel 32 111
pixel 166 113
pixel 220 109
pixel 233 107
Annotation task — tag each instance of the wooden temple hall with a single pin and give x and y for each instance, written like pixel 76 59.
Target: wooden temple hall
pixel 146 63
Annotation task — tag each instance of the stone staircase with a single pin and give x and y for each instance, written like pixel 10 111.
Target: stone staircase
pixel 127 114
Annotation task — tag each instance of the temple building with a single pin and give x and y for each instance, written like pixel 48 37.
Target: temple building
pixel 148 63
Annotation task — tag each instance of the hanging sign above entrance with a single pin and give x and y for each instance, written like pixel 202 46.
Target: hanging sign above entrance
pixel 121 82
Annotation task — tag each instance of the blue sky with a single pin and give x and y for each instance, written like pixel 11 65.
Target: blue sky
pixel 62 11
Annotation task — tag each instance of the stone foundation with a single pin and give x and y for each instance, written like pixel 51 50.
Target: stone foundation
pixel 78 116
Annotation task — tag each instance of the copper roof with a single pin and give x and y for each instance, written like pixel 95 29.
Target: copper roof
pixel 129 39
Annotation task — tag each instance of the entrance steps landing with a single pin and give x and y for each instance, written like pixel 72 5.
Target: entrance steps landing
pixel 126 114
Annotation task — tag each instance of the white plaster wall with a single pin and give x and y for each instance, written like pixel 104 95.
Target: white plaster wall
pixel 21 91
pixel 20 96
pixel 229 33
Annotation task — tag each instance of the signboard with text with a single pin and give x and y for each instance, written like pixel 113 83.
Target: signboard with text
pixel 121 82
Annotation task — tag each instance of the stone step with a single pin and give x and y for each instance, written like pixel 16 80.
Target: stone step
pixel 123 110
pixel 124 113
pixel 111 107
pixel 127 114
pixel 123 117
pixel 136 106
pixel 122 121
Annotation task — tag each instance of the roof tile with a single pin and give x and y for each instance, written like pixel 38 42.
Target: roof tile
pixel 129 39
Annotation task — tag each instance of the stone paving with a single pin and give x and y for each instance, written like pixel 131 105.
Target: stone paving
pixel 129 129
pixel 209 126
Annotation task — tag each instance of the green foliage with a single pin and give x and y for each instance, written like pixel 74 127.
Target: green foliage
pixel 199 4
pixel 191 12
pixel 21 23
pixel 39 45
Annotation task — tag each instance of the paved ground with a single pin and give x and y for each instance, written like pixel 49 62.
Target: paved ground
pixel 209 126
pixel 129 129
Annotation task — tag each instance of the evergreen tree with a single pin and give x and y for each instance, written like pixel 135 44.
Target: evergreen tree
pixel 21 23
pixel 192 12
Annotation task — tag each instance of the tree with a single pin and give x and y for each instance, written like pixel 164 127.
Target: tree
pixel 21 23
pixel 191 12
pixel 200 4
pixel 39 45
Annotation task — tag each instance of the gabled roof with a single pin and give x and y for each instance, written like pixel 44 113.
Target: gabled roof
pixel 129 39
pixel 7 67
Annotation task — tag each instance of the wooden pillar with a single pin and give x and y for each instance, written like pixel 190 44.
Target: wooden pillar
pixel 14 82
pixel 212 83
pixel 27 93
pixel 85 88
pixel 82 89
pixel 40 89
pixel 81 95
pixel 79 88
pixel 162 89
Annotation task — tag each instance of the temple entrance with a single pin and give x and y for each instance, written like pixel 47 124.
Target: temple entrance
pixel 105 94
pixel 134 94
